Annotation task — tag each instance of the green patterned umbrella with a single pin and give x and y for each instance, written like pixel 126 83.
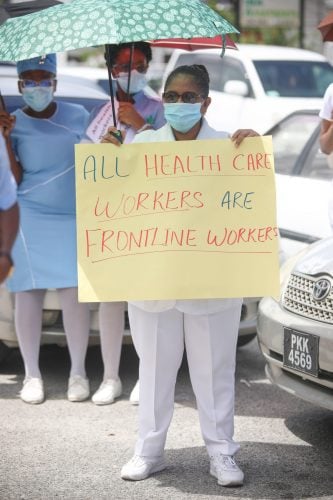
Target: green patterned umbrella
pixel 86 23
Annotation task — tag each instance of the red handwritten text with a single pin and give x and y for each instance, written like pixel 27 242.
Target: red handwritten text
pixel 231 236
pixel 166 165
pixel 252 161
pixel 110 241
pixel 142 203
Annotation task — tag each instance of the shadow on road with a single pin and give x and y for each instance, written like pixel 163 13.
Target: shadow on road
pixel 272 471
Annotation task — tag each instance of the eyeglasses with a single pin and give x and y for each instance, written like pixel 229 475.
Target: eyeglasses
pixel 31 84
pixel 126 68
pixel 187 97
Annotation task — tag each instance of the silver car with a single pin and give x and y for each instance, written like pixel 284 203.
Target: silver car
pixel 295 332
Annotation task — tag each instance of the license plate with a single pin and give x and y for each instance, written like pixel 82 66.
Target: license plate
pixel 300 351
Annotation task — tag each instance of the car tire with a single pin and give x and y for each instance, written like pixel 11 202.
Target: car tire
pixel 245 339
pixel 4 351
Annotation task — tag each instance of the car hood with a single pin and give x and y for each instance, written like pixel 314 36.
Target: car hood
pixel 302 205
pixel 230 112
pixel 318 258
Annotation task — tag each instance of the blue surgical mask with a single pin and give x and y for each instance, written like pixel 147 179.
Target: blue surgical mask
pixel 137 83
pixel 182 116
pixel 38 98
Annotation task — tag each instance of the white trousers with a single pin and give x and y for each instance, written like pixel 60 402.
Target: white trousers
pixel 210 342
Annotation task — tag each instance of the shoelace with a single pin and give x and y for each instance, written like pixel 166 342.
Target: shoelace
pixel 76 379
pixel 33 382
pixel 137 460
pixel 227 461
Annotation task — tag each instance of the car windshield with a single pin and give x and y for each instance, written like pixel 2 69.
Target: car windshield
pixel 289 139
pixel 294 78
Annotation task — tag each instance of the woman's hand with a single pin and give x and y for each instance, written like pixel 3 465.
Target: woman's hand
pixel 128 115
pixel 7 123
pixel 240 134
pixel 111 136
pixel 6 267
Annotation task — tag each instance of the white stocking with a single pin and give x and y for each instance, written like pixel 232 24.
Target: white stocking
pixel 28 323
pixel 111 325
pixel 76 318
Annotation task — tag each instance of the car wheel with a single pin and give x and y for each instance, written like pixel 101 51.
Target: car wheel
pixel 245 339
pixel 4 351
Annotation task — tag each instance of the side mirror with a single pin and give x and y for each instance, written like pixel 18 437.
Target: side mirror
pixel 236 87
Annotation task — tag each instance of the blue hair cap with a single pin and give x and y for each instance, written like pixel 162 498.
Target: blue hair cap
pixel 45 63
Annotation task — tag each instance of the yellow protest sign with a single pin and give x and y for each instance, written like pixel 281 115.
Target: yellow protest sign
pixel 176 220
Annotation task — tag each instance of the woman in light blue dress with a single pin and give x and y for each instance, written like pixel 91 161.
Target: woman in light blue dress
pixel 42 159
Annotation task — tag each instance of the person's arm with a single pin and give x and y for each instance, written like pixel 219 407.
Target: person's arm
pixel 326 136
pixel 7 123
pixel 326 128
pixel 9 223
pixel 15 166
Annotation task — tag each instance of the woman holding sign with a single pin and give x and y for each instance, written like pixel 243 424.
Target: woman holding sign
pixel 207 328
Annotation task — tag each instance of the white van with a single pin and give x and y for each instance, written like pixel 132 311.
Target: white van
pixel 258 85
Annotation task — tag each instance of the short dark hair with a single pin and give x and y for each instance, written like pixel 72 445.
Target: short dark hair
pixel 198 72
pixel 114 50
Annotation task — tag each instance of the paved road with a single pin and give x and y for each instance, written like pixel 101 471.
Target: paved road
pixel 68 451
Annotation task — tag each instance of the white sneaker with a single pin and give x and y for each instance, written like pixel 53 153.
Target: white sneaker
pixel 32 391
pixel 107 392
pixel 226 470
pixel 139 468
pixel 134 396
pixel 78 388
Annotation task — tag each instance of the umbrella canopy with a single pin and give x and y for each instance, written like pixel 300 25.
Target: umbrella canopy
pixel 86 23
pixel 23 8
pixel 326 27
pixel 195 43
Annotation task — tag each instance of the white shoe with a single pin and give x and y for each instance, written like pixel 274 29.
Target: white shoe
pixel 78 388
pixel 226 470
pixel 32 391
pixel 107 392
pixel 139 468
pixel 134 396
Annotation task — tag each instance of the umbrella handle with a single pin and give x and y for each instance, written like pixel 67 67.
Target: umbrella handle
pixel 107 53
pixel 129 72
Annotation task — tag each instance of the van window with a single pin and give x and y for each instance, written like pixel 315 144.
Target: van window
pixel 294 78
pixel 220 70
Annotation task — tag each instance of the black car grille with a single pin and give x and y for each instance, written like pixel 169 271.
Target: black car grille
pixel 298 298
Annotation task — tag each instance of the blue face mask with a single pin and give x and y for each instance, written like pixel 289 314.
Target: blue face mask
pixel 182 116
pixel 38 98
pixel 138 81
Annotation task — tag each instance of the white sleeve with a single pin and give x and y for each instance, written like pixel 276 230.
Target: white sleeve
pixel 327 106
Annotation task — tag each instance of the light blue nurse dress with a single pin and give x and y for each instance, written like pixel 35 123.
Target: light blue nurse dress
pixel 44 253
